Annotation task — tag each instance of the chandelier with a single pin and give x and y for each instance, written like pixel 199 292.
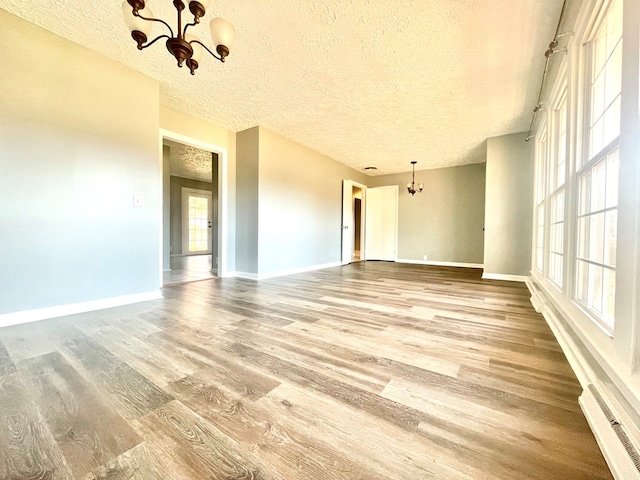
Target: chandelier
pixel 186 48
pixel 411 187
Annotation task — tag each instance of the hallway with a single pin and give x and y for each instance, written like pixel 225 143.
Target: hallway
pixel 188 268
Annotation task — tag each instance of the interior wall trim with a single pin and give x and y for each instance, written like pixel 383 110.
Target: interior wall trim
pixel 26 316
pixel 617 457
pixel 612 449
pixel 441 264
pixel 502 276
pixel 282 273
pixel 245 275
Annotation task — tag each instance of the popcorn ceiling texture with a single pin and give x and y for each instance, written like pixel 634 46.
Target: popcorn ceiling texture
pixel 366 82
pixel 189 162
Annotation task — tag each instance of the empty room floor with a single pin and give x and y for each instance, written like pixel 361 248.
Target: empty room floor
pixel 188 268
pixel 369 371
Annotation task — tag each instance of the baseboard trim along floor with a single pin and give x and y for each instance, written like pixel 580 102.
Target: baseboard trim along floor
pixel 26 316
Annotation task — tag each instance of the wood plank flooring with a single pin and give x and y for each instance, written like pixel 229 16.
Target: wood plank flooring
pixel 369 371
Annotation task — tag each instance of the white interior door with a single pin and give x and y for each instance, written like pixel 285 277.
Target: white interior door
pixel 197 217
pixel 381 223
pixel 347 221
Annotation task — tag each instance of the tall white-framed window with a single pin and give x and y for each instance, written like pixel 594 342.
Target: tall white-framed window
pixel 556 181
pixel 597 169
pixel 542 156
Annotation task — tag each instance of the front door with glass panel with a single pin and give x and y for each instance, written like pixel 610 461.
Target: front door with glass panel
pixel 197 215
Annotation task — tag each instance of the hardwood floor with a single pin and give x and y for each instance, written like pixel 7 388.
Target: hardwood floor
pixel 370 371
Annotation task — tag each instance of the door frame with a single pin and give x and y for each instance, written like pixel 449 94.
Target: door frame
pixel 347 220
pixel 223 202
pixel 184 207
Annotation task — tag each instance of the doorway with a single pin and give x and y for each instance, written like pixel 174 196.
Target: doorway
pixel 358 237
pixel 369 222
pixel 192 232
pixel 353 221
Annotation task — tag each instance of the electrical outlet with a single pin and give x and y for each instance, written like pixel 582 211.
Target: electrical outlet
pixel 424 257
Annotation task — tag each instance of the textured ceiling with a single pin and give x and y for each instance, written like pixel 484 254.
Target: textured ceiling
pixel 189 162
pixel 366 82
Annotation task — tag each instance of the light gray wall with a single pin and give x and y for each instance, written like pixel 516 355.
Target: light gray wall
pixel 247 153
pixel 78 137
pixel 176 207
pixel 166 209
pixel 445 221
pixel 509 205
pixel 300 205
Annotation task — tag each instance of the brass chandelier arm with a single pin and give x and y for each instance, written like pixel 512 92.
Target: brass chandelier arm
pixel 151 19
pixel 221 58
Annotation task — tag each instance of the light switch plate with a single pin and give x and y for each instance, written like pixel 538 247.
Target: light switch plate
pixel 137 199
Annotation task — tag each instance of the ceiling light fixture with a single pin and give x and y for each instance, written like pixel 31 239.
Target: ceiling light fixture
pixel 411 187
pixel 185 47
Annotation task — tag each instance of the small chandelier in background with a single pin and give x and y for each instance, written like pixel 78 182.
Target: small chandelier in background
pixel 185 47
pixel 411 187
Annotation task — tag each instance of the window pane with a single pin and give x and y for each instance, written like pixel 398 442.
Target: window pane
pixel 595 288
pixel 597 98
pixel 611 230
pixel 598 184
pixel 613 76
pixel 612 179
pixel 597 132
pixel 614 26
pixel 583 237
pixel 611 123
pixel 599 54
pixel 585 192
pixel 596 238
pixel 582 281
pixel 609 297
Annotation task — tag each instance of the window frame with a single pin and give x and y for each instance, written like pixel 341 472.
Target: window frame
pixel 585 161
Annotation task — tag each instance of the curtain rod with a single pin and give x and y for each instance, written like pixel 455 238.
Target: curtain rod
pixel 552 49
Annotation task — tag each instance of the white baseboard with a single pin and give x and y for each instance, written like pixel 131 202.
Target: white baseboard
pixel 282 273
pixel 34 315
pixel 508 278
pixel 617 458
pixel 441 264
pixel 578 363
pixel 245 275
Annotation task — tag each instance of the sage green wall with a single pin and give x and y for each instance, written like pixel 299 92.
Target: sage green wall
pixel 445 221
pixel 176 207
pixel 247 148
pixel 509 205
pixel 78 137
